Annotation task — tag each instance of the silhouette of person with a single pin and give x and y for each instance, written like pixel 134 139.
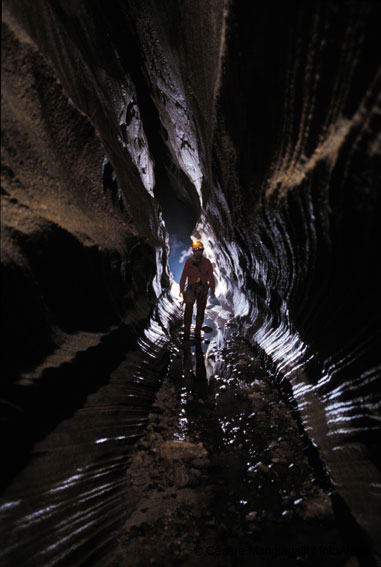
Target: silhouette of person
pixel 198 271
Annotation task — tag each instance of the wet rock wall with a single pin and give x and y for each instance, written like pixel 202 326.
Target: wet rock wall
pixel 85 297
pixel 303 195
pixel 289 189
pixel 265 121
pixel 83 244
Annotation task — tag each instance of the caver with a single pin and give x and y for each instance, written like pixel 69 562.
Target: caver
pixel 198 273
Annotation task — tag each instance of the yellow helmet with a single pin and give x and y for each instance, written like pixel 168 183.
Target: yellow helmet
pixel 197 245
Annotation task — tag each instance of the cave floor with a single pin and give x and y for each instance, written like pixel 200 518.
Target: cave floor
pixel 221 474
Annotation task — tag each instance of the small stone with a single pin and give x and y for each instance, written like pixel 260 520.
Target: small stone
pixel 206 329
pixel 288 514
pixel 352 562
pixel 262 467
pixel 255 396
pixel 201 463
pixel 181 450
pixel 314 508
pixel 251 516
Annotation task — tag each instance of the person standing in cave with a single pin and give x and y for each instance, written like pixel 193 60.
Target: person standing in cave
pixel 199 273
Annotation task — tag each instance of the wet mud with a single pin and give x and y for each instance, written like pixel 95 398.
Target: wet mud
pixel 222 475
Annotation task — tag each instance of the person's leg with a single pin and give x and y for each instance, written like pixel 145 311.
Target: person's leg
pixel 201 304
pixel 188 311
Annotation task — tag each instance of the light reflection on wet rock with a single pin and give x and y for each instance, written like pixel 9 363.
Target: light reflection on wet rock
pixel 215 484
pixel 284 182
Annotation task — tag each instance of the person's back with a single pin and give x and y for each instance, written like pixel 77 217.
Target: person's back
pixel 198 272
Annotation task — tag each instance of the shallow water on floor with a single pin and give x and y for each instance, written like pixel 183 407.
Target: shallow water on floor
pixel 69 499
pixel 259 466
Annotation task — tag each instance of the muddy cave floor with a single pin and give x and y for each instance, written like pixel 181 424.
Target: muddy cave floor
pixel 222 476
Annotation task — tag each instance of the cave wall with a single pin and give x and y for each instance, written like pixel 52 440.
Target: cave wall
pixel 298 165
pixel 265 120
pixel 82 239
pixel 304 202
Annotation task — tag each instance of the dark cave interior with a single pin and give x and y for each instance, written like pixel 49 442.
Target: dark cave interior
pixel 127 129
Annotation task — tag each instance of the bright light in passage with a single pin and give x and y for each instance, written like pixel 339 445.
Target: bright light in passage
pixel 175 289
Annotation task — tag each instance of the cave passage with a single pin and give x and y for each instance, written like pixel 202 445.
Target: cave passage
pixel 180 221
pixel 127 128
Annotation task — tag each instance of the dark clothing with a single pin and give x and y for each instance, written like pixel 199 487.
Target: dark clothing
pixel 200 277
pixel 201 299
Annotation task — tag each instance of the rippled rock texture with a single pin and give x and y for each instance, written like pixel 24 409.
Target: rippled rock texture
pixel 265 122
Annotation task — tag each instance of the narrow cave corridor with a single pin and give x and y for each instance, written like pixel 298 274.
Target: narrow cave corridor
pixel 128 129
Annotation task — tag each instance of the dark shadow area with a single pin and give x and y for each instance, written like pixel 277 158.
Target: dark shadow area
pixel 195 372
pixel 36 410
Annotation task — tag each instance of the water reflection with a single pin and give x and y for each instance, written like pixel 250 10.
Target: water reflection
pixel 195 392
pixel 62 506
pixel 194 371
